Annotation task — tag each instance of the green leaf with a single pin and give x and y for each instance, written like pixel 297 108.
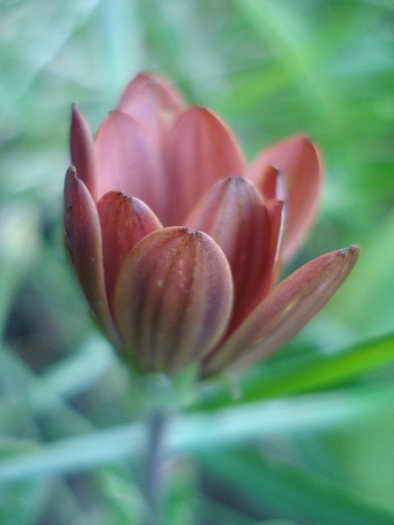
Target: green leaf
pixel 122 501
pixel 297 374
pixel 21 502
pixel 290 491
pixel 200 431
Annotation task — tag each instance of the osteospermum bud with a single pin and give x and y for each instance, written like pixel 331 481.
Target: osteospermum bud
pixel 167 295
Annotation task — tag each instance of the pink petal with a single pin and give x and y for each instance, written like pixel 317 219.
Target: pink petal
pixel 234 215
pixel 200 151
pixel 299 162
pixel 276 213
pixel 82 150
pixel 285 311
pixel 124 222
pixel 128 161
pixel 173 298
pixel 154 102
pixel 83 240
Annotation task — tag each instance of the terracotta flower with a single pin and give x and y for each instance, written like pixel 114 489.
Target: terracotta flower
pixel 177 243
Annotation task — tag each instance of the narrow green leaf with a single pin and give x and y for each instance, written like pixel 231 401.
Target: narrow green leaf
pixel 200 431
pixel 20 502
pixel 297 375
pixel 292 492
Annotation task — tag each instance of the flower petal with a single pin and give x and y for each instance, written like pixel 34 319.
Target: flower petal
pixel 234 215
pixel 201 150
pixel 83 240
pixel 173 298
pixel 298 160
pixel 82 150
pixel 154 102
pixel 128 161
pixel 124 222
pixel 276 212
pixel 285 311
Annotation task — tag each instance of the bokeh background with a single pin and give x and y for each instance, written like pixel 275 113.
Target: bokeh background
pixel 270 68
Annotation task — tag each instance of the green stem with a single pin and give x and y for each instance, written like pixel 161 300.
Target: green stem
pixel 155 456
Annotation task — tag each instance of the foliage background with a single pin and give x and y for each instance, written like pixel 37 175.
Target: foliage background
pixel 321 450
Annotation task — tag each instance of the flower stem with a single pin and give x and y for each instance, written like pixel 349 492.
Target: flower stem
pixel 154 471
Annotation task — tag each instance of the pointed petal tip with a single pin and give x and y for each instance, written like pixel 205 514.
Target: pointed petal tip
pixel 201 151
pixel 352 253
pixel 82 149
pixel 124 222
pixel 71 170
pixel 353 249
pixel 286 310
pixel 71 174
pixel 299 162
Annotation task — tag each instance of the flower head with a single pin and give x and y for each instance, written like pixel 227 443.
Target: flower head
pixel 177 243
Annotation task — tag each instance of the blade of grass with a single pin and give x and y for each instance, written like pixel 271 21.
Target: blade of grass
pixel 195 432
pixel 297 375
pixel 292 492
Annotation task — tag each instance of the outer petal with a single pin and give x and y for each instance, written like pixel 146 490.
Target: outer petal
pixel 154 102
pixel 285 311
pixel 83 239
pixel 299 161
pixel 82 150
pixel 234 215
pixel 124 222
pixel 200 151
pixel 128 161
pixel 173 298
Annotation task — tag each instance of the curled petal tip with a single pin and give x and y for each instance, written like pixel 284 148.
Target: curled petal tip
pixel 298 160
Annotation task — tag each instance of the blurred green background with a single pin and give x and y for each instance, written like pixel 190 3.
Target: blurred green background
pixel 270 68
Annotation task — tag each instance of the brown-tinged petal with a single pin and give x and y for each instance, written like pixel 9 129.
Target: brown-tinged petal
pixel 285 311
pixel 124 222
pixel 83 240
pixel 200 151
pixel 173 298
pixel 234 215
pixel 128 161
pixel 298 161
pixel 82 150
pixel 276 212
pixel 154 102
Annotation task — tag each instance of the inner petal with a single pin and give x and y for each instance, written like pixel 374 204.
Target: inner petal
pixel 234 215
pixel 200 151
pixel 154 102
pixel 127 160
